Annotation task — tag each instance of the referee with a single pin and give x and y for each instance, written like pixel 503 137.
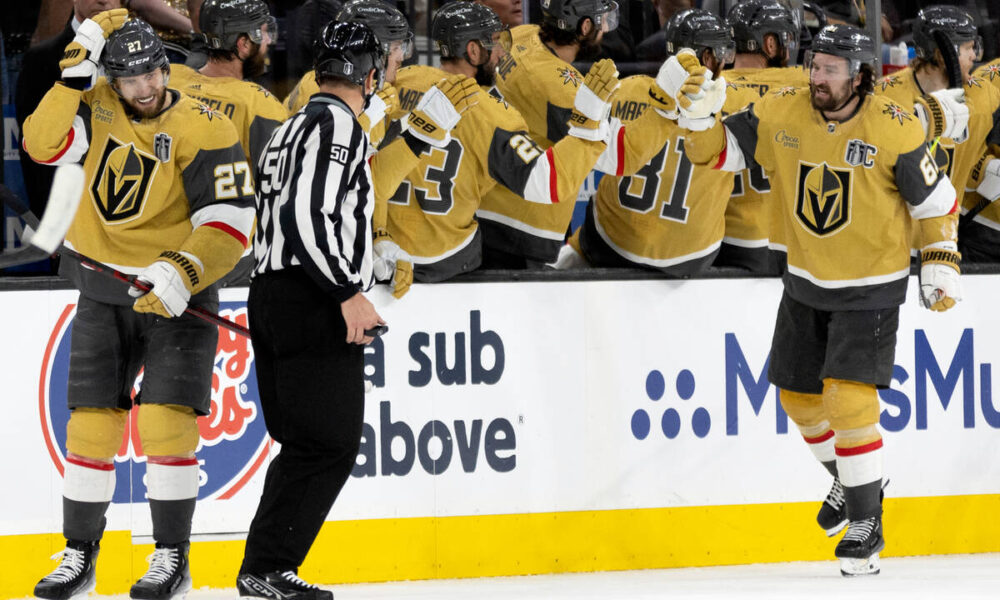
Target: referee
pixel 307 309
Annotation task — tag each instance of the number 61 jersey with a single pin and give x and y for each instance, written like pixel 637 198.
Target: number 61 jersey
pixel 148 183
pixel 846 191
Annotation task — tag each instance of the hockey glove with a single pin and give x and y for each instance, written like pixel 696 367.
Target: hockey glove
pixel 676 71
pixel 81 58
pixel 591 106
pixel 940 286
pixel 944 113
pixel 172 278
pixel 699 114
pixel 663 103
pixel 989 186
pixel 440 109
pixel 392 263
pixel 383 105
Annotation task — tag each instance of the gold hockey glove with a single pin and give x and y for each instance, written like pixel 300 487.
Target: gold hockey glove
pixel 172 277
pixel 79 64
pixel 440 109
pixel 944 113
pixel 592 104
pixel 392 263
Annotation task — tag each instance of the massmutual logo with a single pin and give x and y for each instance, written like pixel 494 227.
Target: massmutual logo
pixel 234 442
pixel 945 378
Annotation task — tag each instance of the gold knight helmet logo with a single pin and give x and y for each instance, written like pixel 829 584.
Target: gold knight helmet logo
pixel 823 203
pixel 121 183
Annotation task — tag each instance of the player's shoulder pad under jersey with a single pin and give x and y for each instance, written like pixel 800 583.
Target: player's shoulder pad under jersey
pixel 898 128
pixel 202 126
pixel 990 72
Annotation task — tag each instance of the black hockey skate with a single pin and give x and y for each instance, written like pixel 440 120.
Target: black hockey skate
pixel 278 585
pixel 168 576
pixel 75 575
pixel 832 516
pixel 859 548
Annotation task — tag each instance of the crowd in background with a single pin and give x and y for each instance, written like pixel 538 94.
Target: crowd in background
pixel 33 35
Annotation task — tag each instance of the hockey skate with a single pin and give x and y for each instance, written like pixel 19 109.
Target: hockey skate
pixel 278 585
pixel 832 516
pixel 859 548
pixel 75 575
pixel 168 576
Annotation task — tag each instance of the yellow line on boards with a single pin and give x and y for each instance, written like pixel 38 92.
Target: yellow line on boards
pixel 523 544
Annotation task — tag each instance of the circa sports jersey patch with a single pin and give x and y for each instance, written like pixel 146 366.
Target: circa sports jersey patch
pixel 896 111
pixel 823 203
pixel 570 76
pixel 122 181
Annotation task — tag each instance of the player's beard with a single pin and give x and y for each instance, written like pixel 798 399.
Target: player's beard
pixel 832 100
pixel 255 65
pixel 146 111
pixel 486 75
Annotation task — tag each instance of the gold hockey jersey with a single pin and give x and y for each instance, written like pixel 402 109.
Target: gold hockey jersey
pixel 300 94
pixel 749 224
pixel 432 213
pixel 669 215
pixel 254 111
pixel 956 159
pixel 149 184
pixel 847 190
pixel 990 72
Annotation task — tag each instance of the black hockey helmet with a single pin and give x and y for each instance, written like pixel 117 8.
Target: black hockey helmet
pixel 133 49
pixel 753 20
pixel 700 30
pixel 457 23
pixel 567 14
pixel 349 51
pixel 845 41
pixel 224 21
pixel 386 21
pixel 951 22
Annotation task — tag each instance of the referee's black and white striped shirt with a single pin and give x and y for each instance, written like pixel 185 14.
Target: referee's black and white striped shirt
pixel 315 199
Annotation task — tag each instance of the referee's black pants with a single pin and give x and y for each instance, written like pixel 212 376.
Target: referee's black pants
pixel 312 394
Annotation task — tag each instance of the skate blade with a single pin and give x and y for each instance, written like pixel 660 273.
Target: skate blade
pixel 836 528
pixel 859 567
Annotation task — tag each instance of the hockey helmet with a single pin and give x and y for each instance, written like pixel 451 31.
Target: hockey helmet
pixel 845 41
pixel 349 51
pixel 386 21
pixel 567 14
pixel 133 49
pixel 754 20
pixel 700 30
pixel 951 22
pixel 224 21
pixel 457 23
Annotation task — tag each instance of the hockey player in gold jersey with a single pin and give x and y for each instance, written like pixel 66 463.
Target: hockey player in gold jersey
pixel 537 78
pixel 766 36
pixel 960 159
pixel 238 34
pixel 169 199
pixel 852 173
pixel 432 214
pixel 668 215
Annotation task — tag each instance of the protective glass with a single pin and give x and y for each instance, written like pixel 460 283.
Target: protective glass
pixel 827 67
pixel 608 20
pixel 505 39
pixel 404 45
pixel 270 27
pixel 499 38
pixel 724 54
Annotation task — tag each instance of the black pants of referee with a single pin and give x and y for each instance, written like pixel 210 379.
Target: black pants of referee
pixel 312 394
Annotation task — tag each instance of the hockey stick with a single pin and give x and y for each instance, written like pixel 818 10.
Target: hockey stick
pixel 970 215
pixel 46 236
pixel 94 265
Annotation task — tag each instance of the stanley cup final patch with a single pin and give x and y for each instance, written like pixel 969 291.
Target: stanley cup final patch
pixel 161 147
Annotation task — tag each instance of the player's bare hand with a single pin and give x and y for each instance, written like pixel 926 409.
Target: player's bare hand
pixel 359 314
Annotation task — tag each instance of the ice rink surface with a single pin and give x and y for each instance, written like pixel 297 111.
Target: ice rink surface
pixel 938 577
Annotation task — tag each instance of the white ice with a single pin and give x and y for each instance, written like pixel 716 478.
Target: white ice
pixel 938 577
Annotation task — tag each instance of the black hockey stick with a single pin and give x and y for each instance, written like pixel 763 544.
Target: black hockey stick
pixel 94 265
pixel 47 235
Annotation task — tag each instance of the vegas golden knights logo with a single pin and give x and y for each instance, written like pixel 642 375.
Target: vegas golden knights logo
pixel 122 181
pixel 823 202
